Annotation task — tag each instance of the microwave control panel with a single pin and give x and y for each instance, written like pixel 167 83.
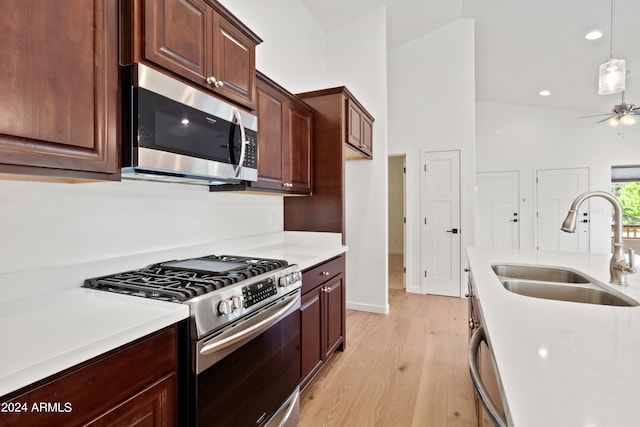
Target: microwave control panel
pixel 251 150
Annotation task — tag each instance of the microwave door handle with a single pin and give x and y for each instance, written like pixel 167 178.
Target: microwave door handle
pixel 243 138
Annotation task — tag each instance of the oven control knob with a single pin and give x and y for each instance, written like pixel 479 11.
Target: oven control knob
pixel 284 281
pixel 225 307
pixel 237 302
pixel 297 276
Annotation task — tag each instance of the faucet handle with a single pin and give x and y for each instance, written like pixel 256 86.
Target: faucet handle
pixel 632 255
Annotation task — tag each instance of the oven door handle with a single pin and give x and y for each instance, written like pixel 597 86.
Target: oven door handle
pixel 217 344
pixel 484 396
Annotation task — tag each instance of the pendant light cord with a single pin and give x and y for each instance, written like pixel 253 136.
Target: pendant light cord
pixel 612 25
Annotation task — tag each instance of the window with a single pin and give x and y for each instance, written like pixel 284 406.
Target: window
pixel 625 185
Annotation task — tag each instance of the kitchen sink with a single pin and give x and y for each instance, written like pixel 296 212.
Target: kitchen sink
pixel 562 292
pixel 558 284
pixel 546 274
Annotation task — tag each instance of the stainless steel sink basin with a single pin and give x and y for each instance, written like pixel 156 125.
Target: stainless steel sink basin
pixel 555 283
pixel 562 292
pixel 546 274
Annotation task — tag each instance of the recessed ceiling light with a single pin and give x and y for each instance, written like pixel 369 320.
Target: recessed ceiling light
pixel 545 92
pixel 593 35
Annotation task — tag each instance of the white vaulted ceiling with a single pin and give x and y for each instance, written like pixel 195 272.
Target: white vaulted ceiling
pixel 522 46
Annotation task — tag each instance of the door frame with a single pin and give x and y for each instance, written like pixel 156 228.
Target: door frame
pixel 405 245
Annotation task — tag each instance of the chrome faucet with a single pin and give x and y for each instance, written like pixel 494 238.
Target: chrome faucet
pixel 618 266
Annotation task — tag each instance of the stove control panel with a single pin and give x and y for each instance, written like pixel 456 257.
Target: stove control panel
pixel 260 291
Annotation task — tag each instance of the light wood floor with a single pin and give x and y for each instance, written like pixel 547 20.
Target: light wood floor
pixel 396 275
pixel 408 368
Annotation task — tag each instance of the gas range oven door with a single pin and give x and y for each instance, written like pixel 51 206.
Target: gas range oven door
pixel 248 375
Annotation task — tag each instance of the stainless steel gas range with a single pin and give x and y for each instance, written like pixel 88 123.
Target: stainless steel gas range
pixel 243 349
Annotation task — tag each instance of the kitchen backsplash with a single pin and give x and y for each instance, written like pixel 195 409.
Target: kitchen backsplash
pixel 50 224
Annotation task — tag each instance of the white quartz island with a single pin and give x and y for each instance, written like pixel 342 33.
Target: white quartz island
pixel 561 363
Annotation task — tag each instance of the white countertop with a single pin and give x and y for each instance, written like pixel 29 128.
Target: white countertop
pixel 561 363
pixel 48 323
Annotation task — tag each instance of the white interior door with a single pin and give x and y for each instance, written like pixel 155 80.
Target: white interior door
pixel 441 223
pixel 556 190
pixel 497 210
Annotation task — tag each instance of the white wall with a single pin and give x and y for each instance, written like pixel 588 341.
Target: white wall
pixel 357 59
pixel 522 138
pixel 47 224
pixel 432 108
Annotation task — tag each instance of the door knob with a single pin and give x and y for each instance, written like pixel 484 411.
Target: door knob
pixel 453 230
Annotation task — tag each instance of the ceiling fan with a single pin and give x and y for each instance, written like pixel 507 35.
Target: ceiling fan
pixel 621 113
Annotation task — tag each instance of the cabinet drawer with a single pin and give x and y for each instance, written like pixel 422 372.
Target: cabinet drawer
pixel 321 273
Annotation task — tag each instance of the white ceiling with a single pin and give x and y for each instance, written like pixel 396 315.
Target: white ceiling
pixel 522 46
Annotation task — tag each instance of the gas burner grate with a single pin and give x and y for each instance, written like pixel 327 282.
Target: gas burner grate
pixel 148 285
pixel 177 284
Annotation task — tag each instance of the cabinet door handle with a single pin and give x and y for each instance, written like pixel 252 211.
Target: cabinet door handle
pixel 325 273
pixel 214 82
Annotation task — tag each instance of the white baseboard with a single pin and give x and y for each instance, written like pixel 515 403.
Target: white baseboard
pixel 368 307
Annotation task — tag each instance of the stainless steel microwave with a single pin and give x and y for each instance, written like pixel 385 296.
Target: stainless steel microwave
pixel 174 132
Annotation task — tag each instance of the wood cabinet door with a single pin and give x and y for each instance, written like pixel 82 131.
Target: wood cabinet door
pixel 272 125
pixel 354 125
pixel 299 153
pixel 59 103
pixel 151 407
pixel 367 136
pixel 333 331
pixel 234 62
pixel 177 36
pixel 311 324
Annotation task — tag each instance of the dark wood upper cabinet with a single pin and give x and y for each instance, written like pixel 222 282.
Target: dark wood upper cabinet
pixel 284 140
pixel 59 103
pixel 272 131
pixel 177 36
pixel 299 147
pixel 359 131
pixel 234 62
pixel 197 40
pixel 341 128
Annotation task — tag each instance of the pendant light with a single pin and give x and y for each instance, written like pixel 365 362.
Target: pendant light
pixel 612 73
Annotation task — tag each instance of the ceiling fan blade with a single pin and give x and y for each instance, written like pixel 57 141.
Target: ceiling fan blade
pixel 635 111
pixel 611 116
pixel 596 115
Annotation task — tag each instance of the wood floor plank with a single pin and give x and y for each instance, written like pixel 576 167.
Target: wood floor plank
pixel 407 368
